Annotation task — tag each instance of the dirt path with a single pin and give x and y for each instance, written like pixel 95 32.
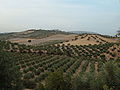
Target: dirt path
pixel 79 69
pixel 88 67
pixel 96 67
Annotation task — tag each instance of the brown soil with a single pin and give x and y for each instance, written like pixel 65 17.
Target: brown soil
pixel 88 68
pixel 86 40
pixel 39 41
pixel 79 69
pixel 80 40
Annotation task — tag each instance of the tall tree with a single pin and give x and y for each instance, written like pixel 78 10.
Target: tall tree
pixel 40 87
pixel 57 81
pixel 10 77
pixel 112 75
pixel 118 32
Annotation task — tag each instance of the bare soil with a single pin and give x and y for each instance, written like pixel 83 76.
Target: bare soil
pixel 39 41
pixel 71 39
pixel 90 40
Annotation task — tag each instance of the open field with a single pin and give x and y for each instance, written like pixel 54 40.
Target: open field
pixel 71 39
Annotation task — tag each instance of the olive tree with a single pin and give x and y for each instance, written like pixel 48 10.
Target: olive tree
pixel 10 76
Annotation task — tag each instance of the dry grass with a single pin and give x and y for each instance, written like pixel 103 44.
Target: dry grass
pixel 92 41
pixel 43 40
pixel 81 40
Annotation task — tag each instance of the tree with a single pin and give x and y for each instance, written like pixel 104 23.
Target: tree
pixel 40 87
pixel 87 81
pixel 107 79
pixel 112 75
pixel 29 84
pixel 57 81
pixel 10 76
pixel 118 33
pixel 29 41
pixel 97 82
pixel 105 87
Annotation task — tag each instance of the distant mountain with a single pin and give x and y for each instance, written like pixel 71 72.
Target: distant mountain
pixel 33 33
pixel 82 32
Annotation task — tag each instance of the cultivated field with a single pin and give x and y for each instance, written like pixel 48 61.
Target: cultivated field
pixel 71 39
pixel 77 55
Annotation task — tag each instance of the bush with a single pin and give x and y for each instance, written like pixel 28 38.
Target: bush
pixel 25 70
pixel 29 41
pixel 56 81
pixel 41 77
pixel 10 77
pixel 40 87
pixel 38 72
pixel 29 84
pixel 28 76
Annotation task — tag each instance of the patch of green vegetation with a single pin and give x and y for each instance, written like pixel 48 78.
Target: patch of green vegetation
pixel 51 42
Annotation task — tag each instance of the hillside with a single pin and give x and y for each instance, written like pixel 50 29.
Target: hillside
pixel 58 38
pixel 31 34
pixel 59 44
pixel 65 38
pixel 47 37
pixel 92 39
pixel 83 32
pixel 72 39
pixel 66 54
pixel 36 63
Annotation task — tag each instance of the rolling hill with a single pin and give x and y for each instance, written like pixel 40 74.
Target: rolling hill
pixel 31 34
pixel 45 37
pixel 86 54
pixel 86 39
pixel 83 32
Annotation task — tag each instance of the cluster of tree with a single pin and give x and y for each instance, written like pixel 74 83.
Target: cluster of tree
pixel 107 79
pixel 118 33
pixel 10 77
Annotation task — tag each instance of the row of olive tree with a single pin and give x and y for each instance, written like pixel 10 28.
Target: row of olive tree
pixel 107 79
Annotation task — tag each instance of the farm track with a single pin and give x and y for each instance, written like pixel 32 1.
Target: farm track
pixel 88 68
pixel 79 69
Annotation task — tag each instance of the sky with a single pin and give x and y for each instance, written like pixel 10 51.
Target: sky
pixel 101 16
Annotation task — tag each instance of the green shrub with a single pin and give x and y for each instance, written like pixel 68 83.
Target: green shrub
pixel 29 84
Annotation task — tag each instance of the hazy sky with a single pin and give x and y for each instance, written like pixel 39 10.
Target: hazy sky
pixel 102 16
